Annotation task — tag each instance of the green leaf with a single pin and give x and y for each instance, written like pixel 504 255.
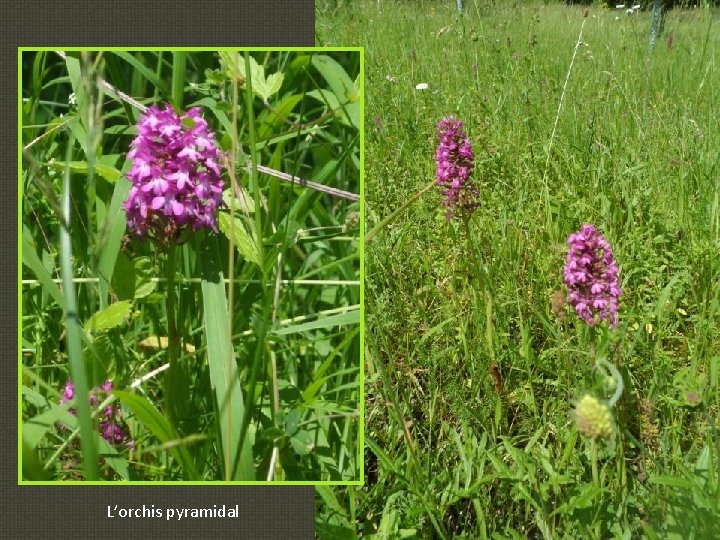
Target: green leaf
pixel 76 81
pixel 244 241
pixel 325 96
pixel 111 174
pixel 270 86
pixel 112 231
pixel 215 108
pixel 325 531
pixel 312 389
pixel 221 361
pixel 144 272
pixel 335 75
pixel 342 86
pixel 160 427
pixel 342 319
pixel 303 442
pixel 123 279
pixel 143 70
pixel 32 469
pixel 232 64
pixel 33 262
pixel 110 317
pixel 35 428
pixel 672 481
pixel 244 202
pixel 292 421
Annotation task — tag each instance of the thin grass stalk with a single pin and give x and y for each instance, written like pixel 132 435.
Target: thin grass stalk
pixel 173 336
pixel 73 330
pixel 559 109
pixel 260 323
pixel 596 482
pixel 231 259
pixel 178 77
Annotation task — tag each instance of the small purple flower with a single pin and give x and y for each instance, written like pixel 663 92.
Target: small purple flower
pixel 592 277
pixel 454 165
pixel 111 425
pixel 175 176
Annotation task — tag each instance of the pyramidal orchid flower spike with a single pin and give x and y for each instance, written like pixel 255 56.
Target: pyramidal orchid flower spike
pixel 454 166
pixel 175 175
pixel 592 277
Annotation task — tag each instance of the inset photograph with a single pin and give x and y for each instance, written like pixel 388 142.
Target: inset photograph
pixel 190 276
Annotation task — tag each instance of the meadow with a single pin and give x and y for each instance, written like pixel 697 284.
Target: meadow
pixel 476 366
pixel 190 279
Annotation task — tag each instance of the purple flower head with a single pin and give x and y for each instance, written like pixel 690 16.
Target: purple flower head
pixel 592 277
pixel 454 165
pixel 175 175
pixel 111 425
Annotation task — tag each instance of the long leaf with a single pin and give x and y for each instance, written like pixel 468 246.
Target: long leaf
pixel 342 319
pixel 74 334
pixel 221 361
pixel 33 262
pixel 160 427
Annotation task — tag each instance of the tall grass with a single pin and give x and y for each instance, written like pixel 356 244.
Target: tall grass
pixel 633 150
pixel 233 356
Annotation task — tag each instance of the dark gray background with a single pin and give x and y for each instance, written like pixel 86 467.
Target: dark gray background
pixel 80 511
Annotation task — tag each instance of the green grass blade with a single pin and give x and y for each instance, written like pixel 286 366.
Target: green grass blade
pixel 33 262
pixel 74 332
pixel 221 361
pixel 342 319
pixel 178 77
pixel 143 70
pixel 160 427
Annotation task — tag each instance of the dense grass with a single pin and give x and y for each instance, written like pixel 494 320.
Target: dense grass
pixel 633 150
pixel 258 380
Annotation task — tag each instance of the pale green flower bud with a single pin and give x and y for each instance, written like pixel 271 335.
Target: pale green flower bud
pixel 593 418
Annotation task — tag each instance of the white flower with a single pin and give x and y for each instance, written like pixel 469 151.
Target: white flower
pixel 390 78
pixel 636 7
pixel 72 100
pixel 620 6
pixel 421 86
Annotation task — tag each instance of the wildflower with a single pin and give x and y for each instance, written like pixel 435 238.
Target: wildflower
pixel 592 277
pixel 175 175
pixel 454 165
pixel 593 418
pixel 111 425
pixel 421 86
